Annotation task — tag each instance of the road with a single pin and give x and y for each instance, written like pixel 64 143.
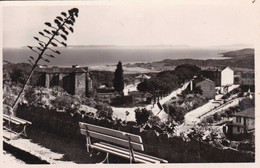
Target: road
pixel 197 115
pixel 119 112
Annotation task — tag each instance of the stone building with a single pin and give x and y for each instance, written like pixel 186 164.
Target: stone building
pixel 207 87
pixel 75 80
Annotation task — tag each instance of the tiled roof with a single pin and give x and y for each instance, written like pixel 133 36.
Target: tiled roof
pixel 250 113
pixel 200 79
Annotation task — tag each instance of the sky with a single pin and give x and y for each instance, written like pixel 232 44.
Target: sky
pixel 137 24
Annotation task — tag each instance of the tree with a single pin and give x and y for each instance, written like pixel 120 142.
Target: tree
pixel 144 86
pixel 217 117
pixel 246 103
pixel 18 75
pixel 142 115
pixel 118 78
pixel 53 36
pixel 187 71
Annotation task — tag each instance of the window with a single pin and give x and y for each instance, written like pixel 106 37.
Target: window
pixel 238 119
pixel 238 129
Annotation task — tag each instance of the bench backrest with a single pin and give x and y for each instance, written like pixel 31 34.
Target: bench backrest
pixel 113 136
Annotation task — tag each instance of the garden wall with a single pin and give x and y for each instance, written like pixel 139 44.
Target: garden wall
pixel 173 149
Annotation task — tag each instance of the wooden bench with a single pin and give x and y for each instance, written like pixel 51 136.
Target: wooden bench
pixel 11 119
pixel 118 143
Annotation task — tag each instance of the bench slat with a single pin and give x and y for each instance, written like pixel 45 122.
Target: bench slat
pixel 126 152
pixel 16 121
pixel 20 120
pixel 7 119
pixel 119 154
pixel 113 140
pixel 138 153
pixel 111 132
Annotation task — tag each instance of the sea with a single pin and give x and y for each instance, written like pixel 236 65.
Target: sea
pixel 95 56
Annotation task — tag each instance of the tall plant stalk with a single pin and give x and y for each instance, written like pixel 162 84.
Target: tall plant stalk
pixel 64 24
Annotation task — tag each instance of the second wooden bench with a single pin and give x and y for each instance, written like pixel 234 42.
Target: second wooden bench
pixel 118 143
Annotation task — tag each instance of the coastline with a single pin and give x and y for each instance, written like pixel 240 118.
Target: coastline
pixel 93 56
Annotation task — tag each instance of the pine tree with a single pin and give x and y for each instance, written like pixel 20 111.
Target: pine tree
pixel 118 78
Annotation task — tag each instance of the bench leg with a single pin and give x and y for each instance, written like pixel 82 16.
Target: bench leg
pixel 106 159
pixel 88 143
pixel 24 131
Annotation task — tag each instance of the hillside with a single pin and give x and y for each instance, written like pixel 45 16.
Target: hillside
pixel 236 59
pixel 240 53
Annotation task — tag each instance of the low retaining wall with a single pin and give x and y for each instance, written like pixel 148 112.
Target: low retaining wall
pixel 173 149
pixel 23 155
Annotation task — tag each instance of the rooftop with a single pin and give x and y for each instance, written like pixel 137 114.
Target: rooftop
pixel 142 76
pixel 250 113
pixel 200 79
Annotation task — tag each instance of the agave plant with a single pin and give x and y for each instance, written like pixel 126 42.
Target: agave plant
pixel 54 35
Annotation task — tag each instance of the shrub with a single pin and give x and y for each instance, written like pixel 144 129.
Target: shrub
pixel 154 120
pixel 210 119
pixel 246 146
pixel 229 113
pixel 217 117
pixel 142 115
pixel 66 102
pixel 104 110
pixel 18 75
pixel 89 102
pixel 176 112
pixel 143 86
pixel 30 95
pixel 223 115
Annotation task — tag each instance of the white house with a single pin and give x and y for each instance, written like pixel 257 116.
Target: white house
pixel 227 77
pixel 223 77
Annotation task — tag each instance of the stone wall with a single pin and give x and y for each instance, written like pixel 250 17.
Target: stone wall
pixel 173 149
